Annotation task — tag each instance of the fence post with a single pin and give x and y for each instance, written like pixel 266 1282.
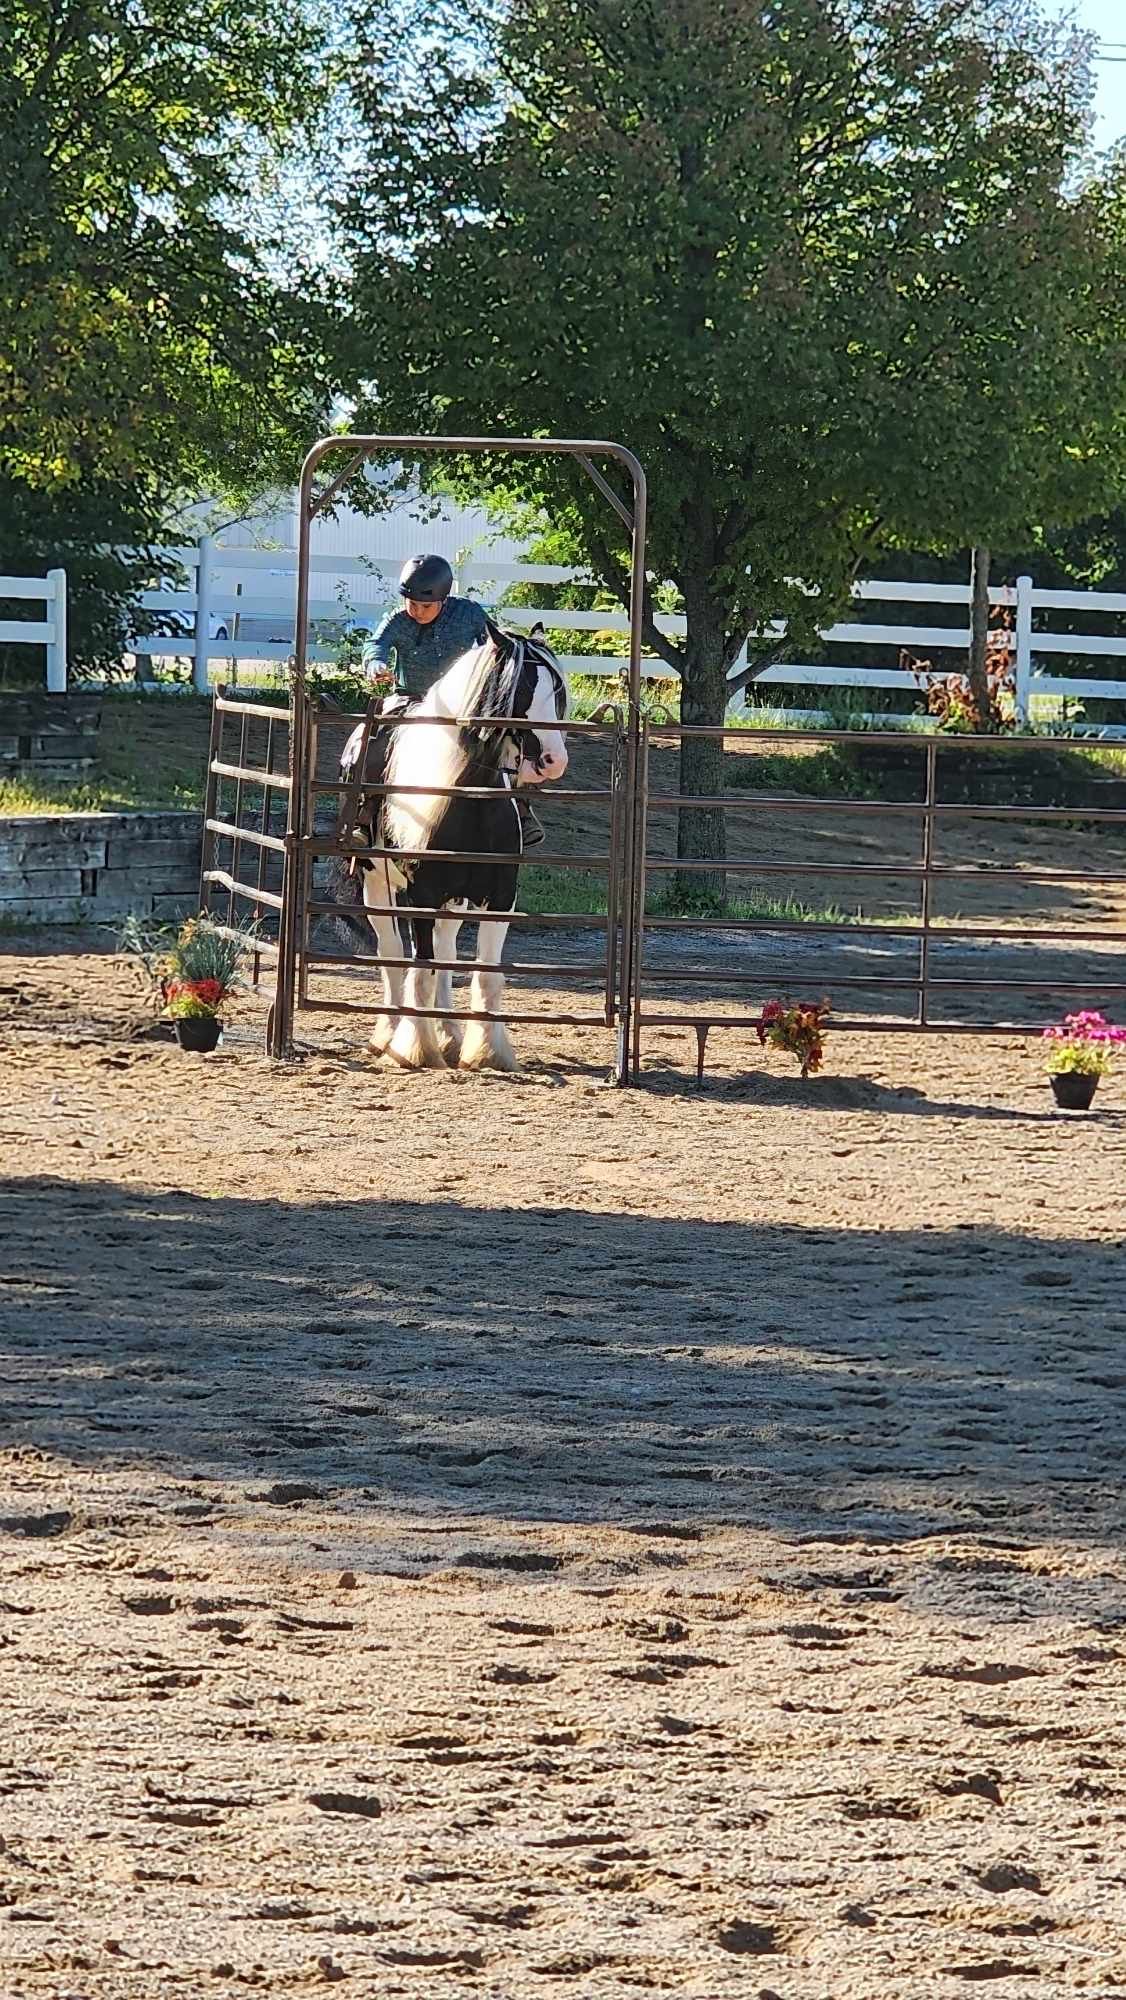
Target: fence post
pixel 56 651
pixel 737 703
pixel 1023 674
pixel 204 556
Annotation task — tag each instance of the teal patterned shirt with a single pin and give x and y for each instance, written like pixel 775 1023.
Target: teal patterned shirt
pixel 418 655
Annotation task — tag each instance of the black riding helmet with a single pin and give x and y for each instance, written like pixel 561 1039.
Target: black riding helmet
pixel 426 580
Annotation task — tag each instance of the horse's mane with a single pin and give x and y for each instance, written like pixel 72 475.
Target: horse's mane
pixel 486 682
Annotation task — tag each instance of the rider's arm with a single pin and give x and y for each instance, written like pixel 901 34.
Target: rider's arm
pixel 378 651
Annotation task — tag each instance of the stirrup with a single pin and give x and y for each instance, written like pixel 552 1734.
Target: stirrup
pixel 531 828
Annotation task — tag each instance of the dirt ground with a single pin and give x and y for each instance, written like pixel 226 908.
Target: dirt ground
pixel 501 1536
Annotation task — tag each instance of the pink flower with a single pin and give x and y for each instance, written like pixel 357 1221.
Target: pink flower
pixel 1087 1026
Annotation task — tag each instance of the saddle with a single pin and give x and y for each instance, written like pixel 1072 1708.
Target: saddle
pixel 356 762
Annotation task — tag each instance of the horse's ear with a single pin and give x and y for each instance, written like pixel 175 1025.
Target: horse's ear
pixel 538 633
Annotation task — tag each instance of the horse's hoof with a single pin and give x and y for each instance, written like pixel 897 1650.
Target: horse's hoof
pixel 381 1037
pixel 410 1051
pixel 450 1044
pixel 479 1051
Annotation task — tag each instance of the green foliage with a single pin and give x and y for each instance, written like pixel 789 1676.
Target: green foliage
pixel 831 272
pixel 194 965
pixel 1078 1059
pixel 87 528
pixel 148 347
pixel 660 700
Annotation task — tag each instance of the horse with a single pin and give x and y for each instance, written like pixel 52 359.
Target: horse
pixel 509 678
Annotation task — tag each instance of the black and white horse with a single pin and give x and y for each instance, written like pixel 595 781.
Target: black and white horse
pixel 512 679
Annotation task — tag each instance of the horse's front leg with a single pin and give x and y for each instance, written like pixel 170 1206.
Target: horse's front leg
pixel 446 931
pixel 487 1044
pixel 378 890
pixel 415 1042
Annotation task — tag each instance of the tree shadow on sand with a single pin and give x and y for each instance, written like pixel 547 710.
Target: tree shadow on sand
pixel 504 1366
pixel 860 1093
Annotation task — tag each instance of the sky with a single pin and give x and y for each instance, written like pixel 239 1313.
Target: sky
pixel 1107 20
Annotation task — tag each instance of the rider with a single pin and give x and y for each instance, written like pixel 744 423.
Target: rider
pixel 432 630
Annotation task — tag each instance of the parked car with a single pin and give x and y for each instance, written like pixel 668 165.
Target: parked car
pixel 174 622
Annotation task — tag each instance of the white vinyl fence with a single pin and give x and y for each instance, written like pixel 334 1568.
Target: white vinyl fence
pixel 240 609
pixel 49 631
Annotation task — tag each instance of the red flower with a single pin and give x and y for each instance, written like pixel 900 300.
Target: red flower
pixel 209 991
pixel 773 1011
pixel 798 1029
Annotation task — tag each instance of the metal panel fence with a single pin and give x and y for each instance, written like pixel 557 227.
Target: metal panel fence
pixel 913 996
pixel 918 970
pixel 268 760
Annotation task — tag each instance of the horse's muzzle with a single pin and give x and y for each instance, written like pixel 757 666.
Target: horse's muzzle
pixel 544 759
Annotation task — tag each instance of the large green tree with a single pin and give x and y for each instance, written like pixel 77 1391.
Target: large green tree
pixel 157 339
pixel 826 265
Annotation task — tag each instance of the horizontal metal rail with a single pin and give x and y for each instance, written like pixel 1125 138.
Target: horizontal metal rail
pixel 247 889
pixel 551 1020
pixel 255 708
pixel 338 719
pixel 665 976
pixel 261 945
pixel 595 970
pixel 849 927
pixel 276 780
pixel 893 983
pixel 493 860
pixel 358 911
pixel 907 869
pixel 347 785
pixel 274 841
pixel 892 808
pixel 915 739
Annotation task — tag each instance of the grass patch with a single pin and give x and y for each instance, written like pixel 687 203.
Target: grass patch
pixel 578 892
pixel 152 752
pixel 581 892
pixel 780 909
pixel 816 771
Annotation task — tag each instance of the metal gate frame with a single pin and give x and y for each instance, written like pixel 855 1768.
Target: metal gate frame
pixel 300 844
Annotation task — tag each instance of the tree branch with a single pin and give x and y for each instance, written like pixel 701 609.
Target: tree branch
pixel 616 578
pixel 737 682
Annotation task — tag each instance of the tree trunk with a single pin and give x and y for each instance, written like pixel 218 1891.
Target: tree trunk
pixel 702 830
pixel 979 635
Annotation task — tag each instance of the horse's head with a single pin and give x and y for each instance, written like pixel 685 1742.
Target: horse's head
pixel 518 679
pixel 540 684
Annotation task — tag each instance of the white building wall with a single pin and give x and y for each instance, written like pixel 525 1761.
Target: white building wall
pixel 455 532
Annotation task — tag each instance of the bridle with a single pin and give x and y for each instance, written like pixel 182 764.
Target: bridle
pixel 501 695
pixel 513 658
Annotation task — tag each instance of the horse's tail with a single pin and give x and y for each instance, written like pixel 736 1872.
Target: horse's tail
pixel 343 884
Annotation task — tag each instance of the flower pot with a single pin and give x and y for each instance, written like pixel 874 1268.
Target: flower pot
pixel 1073 1090
pixel 200 1032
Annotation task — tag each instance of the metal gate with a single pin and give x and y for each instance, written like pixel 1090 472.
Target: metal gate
pixel 288 901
